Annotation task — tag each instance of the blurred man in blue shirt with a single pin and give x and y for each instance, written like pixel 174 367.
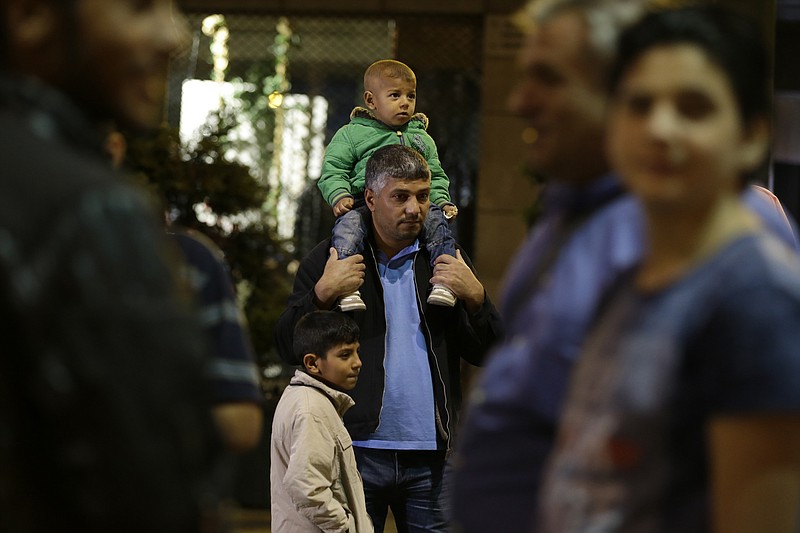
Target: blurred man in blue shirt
pixel 588 233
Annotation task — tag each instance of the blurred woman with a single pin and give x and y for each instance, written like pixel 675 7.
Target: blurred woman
pixel 684 411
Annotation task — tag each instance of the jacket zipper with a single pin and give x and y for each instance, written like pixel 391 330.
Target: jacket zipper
pixel 400 137
pixel 385 328
pixel 440 423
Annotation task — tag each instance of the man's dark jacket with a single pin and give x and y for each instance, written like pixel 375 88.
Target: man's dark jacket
pixel 104 419
pixel 451 334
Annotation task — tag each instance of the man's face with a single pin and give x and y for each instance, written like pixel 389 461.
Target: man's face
pixel 399 210
pixel 561 96
pixel 392 100
pixel 120 51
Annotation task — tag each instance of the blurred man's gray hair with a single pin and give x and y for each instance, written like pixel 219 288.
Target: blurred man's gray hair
pixel 605 21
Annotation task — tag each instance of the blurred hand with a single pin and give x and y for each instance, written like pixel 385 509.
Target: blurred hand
pixel 450 211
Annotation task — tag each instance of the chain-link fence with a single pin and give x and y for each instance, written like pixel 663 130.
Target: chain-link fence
pixel 294 82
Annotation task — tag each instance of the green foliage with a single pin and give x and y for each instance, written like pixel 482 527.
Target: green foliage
pixel 236 206
pixel 257 93
pixel 252 95
pixel 183 177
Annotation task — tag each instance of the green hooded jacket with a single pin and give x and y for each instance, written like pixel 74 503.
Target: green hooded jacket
pixel 352 145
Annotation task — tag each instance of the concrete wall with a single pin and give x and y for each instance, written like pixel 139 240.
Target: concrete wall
pixel 504 193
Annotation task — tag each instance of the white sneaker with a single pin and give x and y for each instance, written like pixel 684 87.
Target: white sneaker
pixel 352 302
pixel 441 295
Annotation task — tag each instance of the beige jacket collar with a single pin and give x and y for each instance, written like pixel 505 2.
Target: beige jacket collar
pixel 341 401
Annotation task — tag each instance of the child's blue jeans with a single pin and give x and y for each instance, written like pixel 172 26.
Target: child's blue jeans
pixel 350 230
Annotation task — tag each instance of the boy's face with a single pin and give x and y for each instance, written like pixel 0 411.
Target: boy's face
pixel 339 367
pixel 391 100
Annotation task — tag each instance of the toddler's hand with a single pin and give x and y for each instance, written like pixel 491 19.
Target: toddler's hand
pixel 450 211
pixel 343 206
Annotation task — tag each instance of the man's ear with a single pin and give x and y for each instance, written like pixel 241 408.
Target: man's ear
pixel 369 100
pixel 116 146
pixel 310 361
pixel 755 143
pixel 369 199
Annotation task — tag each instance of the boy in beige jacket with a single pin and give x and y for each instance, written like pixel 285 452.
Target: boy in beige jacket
pixel 314 483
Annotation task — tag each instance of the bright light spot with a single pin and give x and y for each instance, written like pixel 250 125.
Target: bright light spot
pixel 275 100
pixel 298 143
pixel 199 98
pixel 205 214
pixel 210 23
pixel 220 63
pixel 272 371
pixel 298 153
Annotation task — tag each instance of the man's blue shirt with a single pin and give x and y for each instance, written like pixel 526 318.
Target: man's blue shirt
pixel 407 414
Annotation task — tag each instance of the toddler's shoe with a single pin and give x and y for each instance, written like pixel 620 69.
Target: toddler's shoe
pixel 441 295
pixel 352 302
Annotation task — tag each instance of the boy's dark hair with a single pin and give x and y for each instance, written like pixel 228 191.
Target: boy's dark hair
pixel 394 161
pixel 319 331
pixel 729 39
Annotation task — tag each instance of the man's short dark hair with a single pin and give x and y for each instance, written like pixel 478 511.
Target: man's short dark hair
pixel 319 331
pixel 727 37
pixel 394 161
